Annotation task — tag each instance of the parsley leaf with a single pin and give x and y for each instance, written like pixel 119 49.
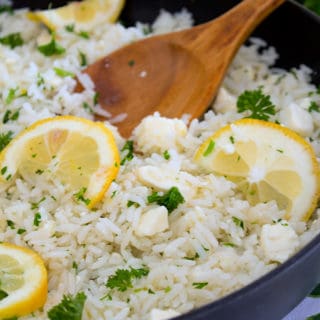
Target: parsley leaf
pixel 51 48
pixel 5 138
pixel 37 219
pixel 127 152
pixel 170 199
pixel 199 285
pixel 10 116
pixel 3 294
pixel 80 196
pixel 122 279
pixel 258 104
pixel 12 40
pixel 63 73
pixel 238 222
pixel 314 107
pixel 70 308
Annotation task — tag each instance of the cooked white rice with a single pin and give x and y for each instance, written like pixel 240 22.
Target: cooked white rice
pixel 82 248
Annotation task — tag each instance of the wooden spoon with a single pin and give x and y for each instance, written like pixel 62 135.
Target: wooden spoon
pixel 176 73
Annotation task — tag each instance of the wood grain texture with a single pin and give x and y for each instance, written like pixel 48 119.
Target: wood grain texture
pixel 176 73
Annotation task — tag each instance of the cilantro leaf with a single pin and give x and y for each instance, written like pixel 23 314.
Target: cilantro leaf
pixel 258 104
pixel 314 107
pixel 51 48
pixel 170 199
pixel 70 308
pixel 238 222
pixel 63 73
pixel 80 196
pixel 199 285
pixel 5 138
pixel 3 294
pixel 12 40
pixel 122 279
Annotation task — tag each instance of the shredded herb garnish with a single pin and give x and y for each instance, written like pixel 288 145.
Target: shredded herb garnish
pixel 63 73
pixel 314 107
pixel 166 155
pixel 199 285
pixel 35 205
pixel 70 308
pixel 12 40
pixel 5 138
pixel 170 199
pixel 83 59
pixel 127 152
pixel 21 231
pixel 10 224
pixel 238 222
pixel 37 219
pixel 3 294
pixel 209 148
pixel 132 203
pixel 51 48
pixel 80 196
pixel 122 279
pixel 11 116
pixel 256 103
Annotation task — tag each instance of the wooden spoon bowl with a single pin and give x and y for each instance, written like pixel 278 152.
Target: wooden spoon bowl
pixel 176 73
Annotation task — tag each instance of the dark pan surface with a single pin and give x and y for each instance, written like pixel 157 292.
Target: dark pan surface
pixel 294 32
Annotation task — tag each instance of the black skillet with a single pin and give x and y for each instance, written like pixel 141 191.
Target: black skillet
pixel 295 33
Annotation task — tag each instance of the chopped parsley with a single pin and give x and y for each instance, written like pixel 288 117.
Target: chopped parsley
pixel 122 279
pixel 314 107
pixel 96 98
pixel 70 308
pixel 37 219
pixel 209 148
pixel 238 222
pixel 51 48
pixel 21 231
pixel 11 95
pixel 171 199
pixel 10 116
pixel 80 196
pixel 12 40
pixel 83 59
pixel 132 203
pixel 35 205
pixel 3 294
pixel 127 152
pixel 6 8
pixel 87 107
pixel 10 224
pixel 5 138
pixel 256 103
pixel 166 155
pixel 229 244
pixel 63 73
pixel 199 285
pixel 71 28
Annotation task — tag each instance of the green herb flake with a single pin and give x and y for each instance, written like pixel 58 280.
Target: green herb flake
pixel 6 8
pixel 83 59
pixel 167 289
pixel 35 205
pixel 127 152
pixel 10 224
pixel 122 279
pixel 3 294
pixel 231 138
pixel 37 219
pixel 83 34
pixel 199 285
pixel 258 104
pixel 69 27
pixel 63 73
pixel 209 148
pixel 151 291
pixel 166 155
pixel 229 244
pixel 51 48
pixel 87 107
pixel 11 95
pixel 12 40
pixel 131 63
pixel 4 170
pixel 113 194
pixel 80 196
pixel 238 222
pixel 5 138
pixel 70 308
pixel 21 231
pixel 170 199
pixel 314 107
pixel 10 116
pixel 96 98
pixel 133 203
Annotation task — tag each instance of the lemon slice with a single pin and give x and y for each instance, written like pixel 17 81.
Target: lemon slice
pixel 80 153
pixel 85 14
pixel 23 281
pixel 267 162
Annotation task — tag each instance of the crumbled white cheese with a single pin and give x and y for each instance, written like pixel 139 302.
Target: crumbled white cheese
pixel 225 102
pixel 156 177
pixel 278 241
pixel 158 314
pixel 158 134
pixel 297 119
pixel 153 221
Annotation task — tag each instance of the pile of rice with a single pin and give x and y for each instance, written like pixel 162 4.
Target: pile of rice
pixel 202 243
